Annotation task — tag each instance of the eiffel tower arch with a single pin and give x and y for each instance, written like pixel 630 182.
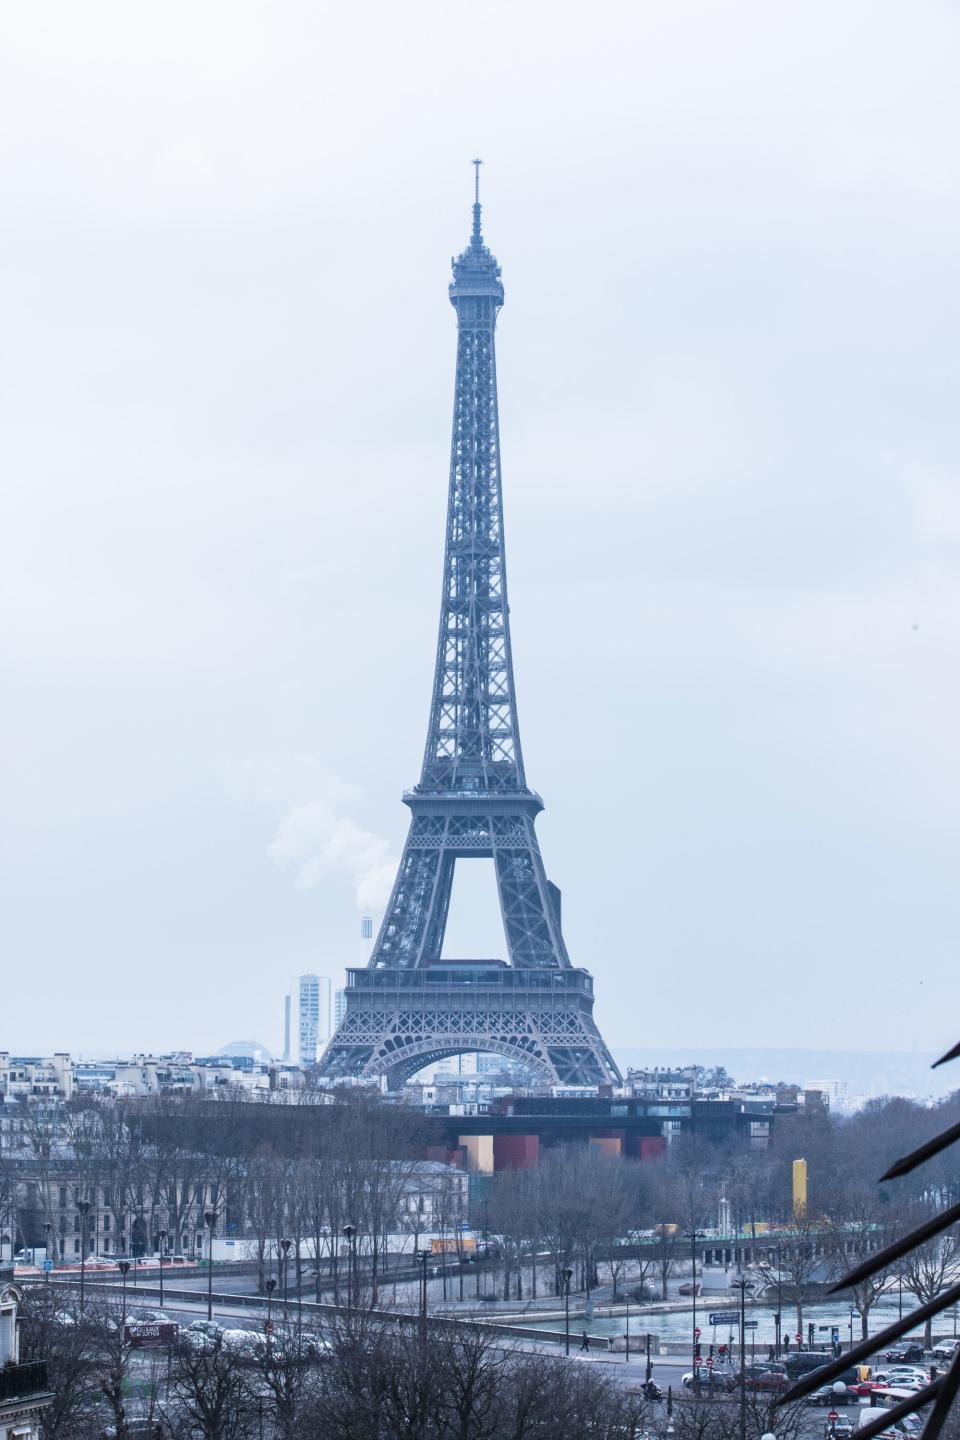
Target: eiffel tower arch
pixel 408 1007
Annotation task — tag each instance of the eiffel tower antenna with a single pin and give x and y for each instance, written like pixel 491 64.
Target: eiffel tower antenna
pixel 410 1007
pixel 475 238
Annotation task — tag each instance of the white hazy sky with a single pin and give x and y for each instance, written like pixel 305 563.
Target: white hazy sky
pixel 729 382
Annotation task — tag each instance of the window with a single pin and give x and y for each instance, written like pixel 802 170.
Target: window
pixel 76 1247
pixel 76 1222
pixel 106 1223
pixel 63 1196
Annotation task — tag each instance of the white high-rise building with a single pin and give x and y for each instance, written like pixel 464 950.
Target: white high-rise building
pixel 308 1012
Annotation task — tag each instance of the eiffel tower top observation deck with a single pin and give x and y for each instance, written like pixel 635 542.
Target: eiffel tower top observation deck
pixel 410 1007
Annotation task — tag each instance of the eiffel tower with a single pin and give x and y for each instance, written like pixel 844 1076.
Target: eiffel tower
pixel 409 1008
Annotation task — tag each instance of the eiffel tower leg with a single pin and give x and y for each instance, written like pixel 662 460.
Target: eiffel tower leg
pixel 530 919
pixel 416 916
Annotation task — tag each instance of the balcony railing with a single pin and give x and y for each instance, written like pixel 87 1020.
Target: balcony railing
pixel 19 1381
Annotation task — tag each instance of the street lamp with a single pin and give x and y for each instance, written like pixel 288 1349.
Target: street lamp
pixel 46 1244
pixel 163 1245
pixel 422 1257
pixel 350 1235
pixel 741 1285
pixel 271 1285
pixel 285 1247
pixel 693 1236
pixel 210 1219
pixel 779 1298
pixel 852 1313
pixel 567 1276
pixel 84 1207
pixel 123 1266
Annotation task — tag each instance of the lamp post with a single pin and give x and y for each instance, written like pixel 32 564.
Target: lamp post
pixel 626 1355
pixel 210 1219
pixel 271 1285
pixel 163 1245
pixel 123 1266
pixel 422 1257
pixel 46 1244
pixel 567 1276
pixel 741 1285
pixel 285 1247
pixel 350 1235
pixel 84 1207
pixel 779 1298
pixel 693 1236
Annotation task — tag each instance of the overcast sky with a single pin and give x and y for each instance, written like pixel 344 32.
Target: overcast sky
pixel 728 366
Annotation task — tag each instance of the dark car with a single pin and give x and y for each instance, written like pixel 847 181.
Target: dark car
pixel 803 1361
pixel 906 1354
pixel 827 1396
pixel 710 1379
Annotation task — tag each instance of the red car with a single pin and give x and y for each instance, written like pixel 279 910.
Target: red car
pixel 865 1387
pixel 771 1380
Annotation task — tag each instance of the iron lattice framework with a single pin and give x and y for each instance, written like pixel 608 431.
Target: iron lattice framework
pixel 409 1008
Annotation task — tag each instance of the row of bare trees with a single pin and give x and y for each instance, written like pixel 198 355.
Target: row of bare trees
pixel 362 1378
pixel 632 1221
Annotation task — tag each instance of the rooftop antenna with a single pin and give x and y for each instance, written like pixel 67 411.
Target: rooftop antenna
pixel 476 238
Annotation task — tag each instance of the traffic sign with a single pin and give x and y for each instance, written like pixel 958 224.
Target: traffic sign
pixel 724 1317
pixel 48 1266
pixel 696 1331
pixel 709 1362
pixel 697 1361
pixel 798 1337
pixel 750 1324
pixel 833 1415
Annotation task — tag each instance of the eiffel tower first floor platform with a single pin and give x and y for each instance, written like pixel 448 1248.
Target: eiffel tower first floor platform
pixel 397 1021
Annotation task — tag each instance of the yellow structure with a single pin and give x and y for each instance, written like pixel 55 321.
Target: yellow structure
pixel 799 1188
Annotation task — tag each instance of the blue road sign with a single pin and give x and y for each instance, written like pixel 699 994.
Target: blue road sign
pixel 725 1317
pixel 48 1265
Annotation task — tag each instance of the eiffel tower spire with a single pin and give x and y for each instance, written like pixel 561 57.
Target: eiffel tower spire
pixel 472 799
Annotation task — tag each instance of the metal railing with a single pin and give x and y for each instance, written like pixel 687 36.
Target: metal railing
pixel 18 1381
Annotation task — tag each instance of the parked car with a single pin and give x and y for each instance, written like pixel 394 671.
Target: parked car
pixel 202 1335
pixel 243 1344
pixel 801 1362
pixel 905 1353
pixel 715 1379
pixel 768 1380
pixel 827 1396
pixel 945 1350
pixel 838 1429
pixel 899 1374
